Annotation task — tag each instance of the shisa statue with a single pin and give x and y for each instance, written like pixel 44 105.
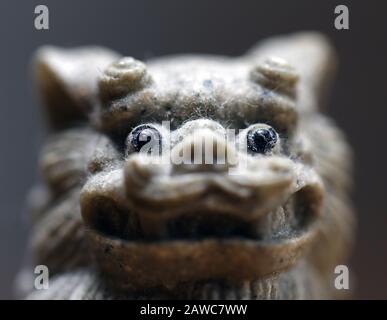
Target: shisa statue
pixel 270 219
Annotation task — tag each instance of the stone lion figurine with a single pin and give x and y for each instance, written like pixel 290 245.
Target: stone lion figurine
pixel 112 222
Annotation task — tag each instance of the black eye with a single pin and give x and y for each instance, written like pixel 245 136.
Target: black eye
pixel 261 140
pixel 142 135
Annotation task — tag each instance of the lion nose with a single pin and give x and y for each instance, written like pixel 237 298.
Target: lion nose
pixel 204 150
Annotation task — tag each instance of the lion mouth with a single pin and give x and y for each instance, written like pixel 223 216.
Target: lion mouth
pixel 110 219
pixel 114 218
pixel 275 224
pixel 207 239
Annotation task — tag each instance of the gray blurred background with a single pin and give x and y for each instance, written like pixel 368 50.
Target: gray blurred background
pixel 150 28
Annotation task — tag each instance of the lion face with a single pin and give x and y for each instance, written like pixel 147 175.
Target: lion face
pixel 193 168
pixel 185 198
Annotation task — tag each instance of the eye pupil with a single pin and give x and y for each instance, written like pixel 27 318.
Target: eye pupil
pixel 142 135
pixel 261 140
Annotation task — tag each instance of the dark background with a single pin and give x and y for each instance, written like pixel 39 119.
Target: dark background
pixel 149 28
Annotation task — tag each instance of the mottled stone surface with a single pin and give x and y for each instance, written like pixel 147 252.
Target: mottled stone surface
pixel 110 224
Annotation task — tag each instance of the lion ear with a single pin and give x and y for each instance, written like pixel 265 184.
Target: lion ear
pixel 313 58
pixel 67 81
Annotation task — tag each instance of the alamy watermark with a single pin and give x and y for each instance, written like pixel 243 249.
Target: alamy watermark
pixel 42 19
pixel 42 281
pixel 342 17
pixel 342 278
pixel 202 147
pixel 42 22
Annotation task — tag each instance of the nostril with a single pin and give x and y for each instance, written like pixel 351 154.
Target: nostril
pixel 140 169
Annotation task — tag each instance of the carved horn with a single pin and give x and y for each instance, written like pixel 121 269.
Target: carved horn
pixel 276 74
pixel 312 56
pixel 122 77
